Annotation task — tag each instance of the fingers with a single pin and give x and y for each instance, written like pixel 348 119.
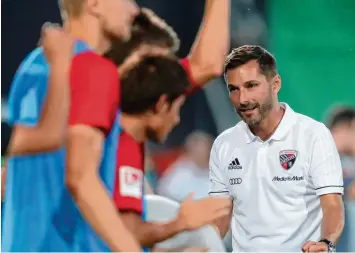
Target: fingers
pixel 306 246
pixel 216 208
pixel 212 215
pixel 221 213
pixel 318 247
pixel 190 197
pixel 218 203
pixel 46 27
pixel 179 102
pixel 314 247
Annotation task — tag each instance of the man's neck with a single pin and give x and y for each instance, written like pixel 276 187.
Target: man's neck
pixel 269 124
pixel 88 30
pixel 134 126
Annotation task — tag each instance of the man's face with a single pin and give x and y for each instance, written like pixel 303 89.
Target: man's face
pixel 164 120
pixel 251 93
pixel 116 17
pixel 344 137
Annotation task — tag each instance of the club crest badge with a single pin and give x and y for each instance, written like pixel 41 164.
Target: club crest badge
pixel 287 158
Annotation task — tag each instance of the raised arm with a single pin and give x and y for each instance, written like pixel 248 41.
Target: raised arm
pixel 211 46
pixel 94 104
pixel 49 133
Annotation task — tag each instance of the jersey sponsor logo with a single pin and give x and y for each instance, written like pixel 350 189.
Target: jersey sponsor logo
pixel 287 158
pixel 131 181
pixel 235 181
pixel 289 178
pixel 235 165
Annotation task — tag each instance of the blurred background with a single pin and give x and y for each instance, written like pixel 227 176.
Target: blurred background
pixel 313 42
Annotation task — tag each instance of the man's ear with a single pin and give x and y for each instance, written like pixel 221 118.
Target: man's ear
pixel 276 84
pixel 162 106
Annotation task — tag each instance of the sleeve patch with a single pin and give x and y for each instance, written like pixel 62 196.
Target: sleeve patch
pixel 131 182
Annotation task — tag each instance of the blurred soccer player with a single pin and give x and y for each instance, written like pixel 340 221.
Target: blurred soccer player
pixel 150 33
pixel 49 133
pixel 50 221
pixel 152 114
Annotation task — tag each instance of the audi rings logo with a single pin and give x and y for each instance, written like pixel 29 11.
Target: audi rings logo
pixel 234 181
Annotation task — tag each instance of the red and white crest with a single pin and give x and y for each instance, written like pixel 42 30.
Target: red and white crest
pixel 287 158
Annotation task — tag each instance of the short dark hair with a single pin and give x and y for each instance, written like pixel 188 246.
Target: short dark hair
pixel 149 29
pixel 341 115
pixel 242 55
pixel 146 82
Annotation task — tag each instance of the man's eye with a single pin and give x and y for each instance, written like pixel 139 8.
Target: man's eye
pixel 232 88
pixel 251 85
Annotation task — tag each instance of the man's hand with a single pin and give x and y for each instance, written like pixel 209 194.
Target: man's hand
pixel 315 247
pixel 196 214
pixel 57 44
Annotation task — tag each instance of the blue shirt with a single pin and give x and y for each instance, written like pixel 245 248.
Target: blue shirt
pixel 40 214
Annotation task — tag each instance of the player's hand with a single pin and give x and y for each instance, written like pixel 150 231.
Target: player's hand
pixel 196 214
pixel 57 44
pixel 315 247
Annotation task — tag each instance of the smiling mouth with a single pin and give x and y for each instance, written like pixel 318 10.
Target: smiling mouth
pixel 248 112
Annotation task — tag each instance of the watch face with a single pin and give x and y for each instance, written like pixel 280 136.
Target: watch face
pixel 331 248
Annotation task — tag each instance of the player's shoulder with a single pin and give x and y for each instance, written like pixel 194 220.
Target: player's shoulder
pixel 33 71
pixel 232 134
pixel 312 128
pixel 130 152
pixel 34 64
pixel 91 61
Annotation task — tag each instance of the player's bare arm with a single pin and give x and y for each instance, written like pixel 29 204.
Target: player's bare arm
pixel 84 155
pixel 92 113
pixel 333 216
pixel 192 215
pixel 212 43
pixel 222 225
pixel 3 180
pixel 50 132
pixel 332 223
pixel 326 173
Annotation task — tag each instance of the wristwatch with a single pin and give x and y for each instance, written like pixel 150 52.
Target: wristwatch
pixel 331 246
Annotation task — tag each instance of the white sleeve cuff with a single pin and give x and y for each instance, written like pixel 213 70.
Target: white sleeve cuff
pixel 330 189
pixel 219 193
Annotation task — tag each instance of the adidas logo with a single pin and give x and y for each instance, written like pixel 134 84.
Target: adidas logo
pixel 235 165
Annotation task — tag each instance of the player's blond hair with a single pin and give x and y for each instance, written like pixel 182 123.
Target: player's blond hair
pixel 70 8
